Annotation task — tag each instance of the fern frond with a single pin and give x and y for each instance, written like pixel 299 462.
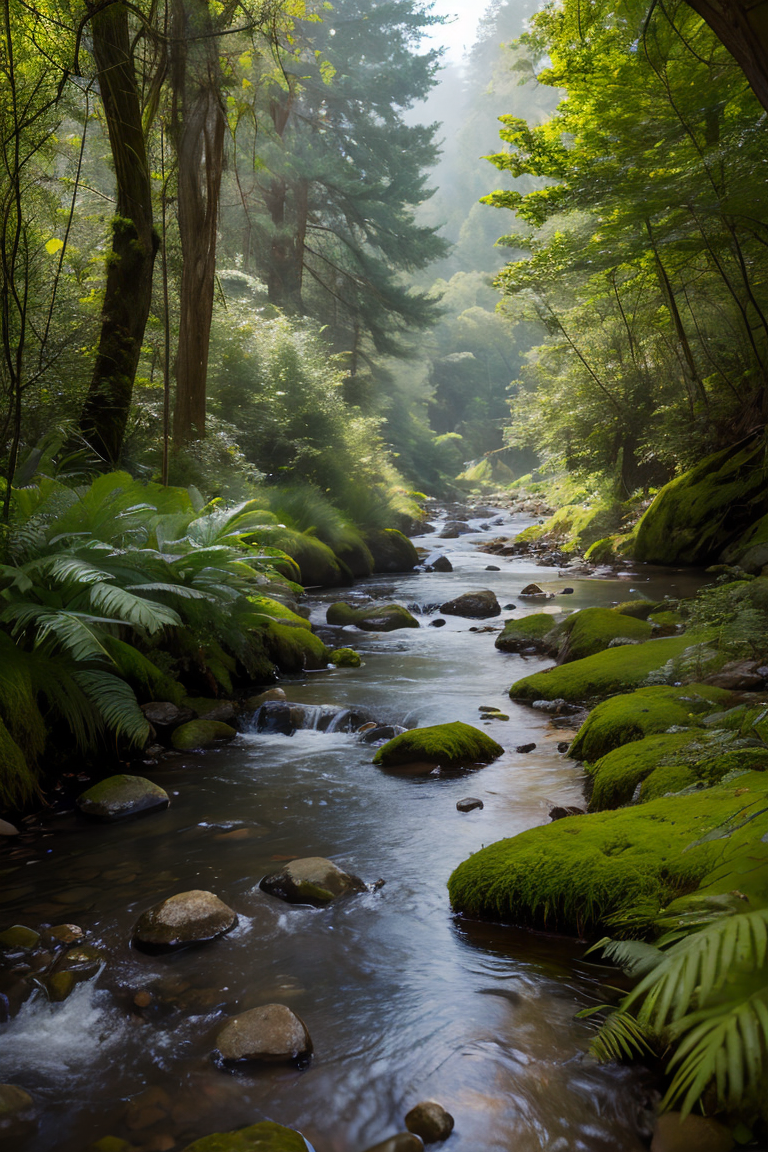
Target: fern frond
pixel 115 702
pixel 120 604
pixel 621 1037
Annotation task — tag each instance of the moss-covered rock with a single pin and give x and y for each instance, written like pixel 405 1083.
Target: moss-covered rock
pixel 633 715
pixel 449 745
pixel 318 565
pixel 277 611
pixel 356 556
pixel 200 734
pixel 667 778
pixel 294 648
pixel 697 516
pixel 575 874
pixel 611 549
pixel 187 918
pixel 119 797
pixel 616 775
pixel 614 670
pixel 575 527
pixel 391 551
pixel 345 658
pixel 263 1137
pixel 313 880
pixel 532 631
pixel 750 551
pixel 593 629
pixel 640 609
pixel 373 617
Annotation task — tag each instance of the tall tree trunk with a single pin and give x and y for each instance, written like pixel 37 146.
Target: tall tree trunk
pixel 743 29
pixel 198 134
pixel 128 291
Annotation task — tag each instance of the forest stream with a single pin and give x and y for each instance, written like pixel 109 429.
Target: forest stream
pixel 403 1001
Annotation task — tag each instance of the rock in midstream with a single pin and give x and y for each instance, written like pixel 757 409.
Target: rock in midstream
pixel 475 605
pixel 271 1033
pixel 469 803
pixel 429 1120
pixel 313 880
pixel 402 1142
pixel 119 797
pixel 187 918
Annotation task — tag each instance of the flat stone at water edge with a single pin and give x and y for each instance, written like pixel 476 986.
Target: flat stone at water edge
pixel 186 918
pixel 164 714
pixel 121 796
pixel 469 803
pixel 7 829
pixel 532 590
pixel 429 1120
pixel 272 1032
pixel 312 880
pixel 694 1134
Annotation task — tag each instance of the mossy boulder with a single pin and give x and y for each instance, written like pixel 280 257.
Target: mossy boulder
pixel 644 712
pixel 373 617
pixel 640 609
pixel 295 648
pixel 345 658
pixel 610 549
pixel 277 611
pixel 532 631
pixel 263 1137
pixel 616 775
pixel 613 670
pixel 119 797
pixel 200 734
pixel 318 565
pixel 391 551
pixel 576 874
pixel 313 880
pixel 187 918
pixel 453 745
pixel 750 551
pixel 667 778
pixel 594 629
pixel 697 516
pixel 356 556
pixel 19 938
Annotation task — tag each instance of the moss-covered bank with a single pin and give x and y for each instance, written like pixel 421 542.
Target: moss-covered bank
pixel 579 874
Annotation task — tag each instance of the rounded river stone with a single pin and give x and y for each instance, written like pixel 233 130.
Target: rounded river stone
pixel 475 605
pixel 429 1120
pixel 468 804
pixel 272 1032
pixel 187 918
pixel 402 1142
pixel 13 1099
pixel 313 880
pixel 121 796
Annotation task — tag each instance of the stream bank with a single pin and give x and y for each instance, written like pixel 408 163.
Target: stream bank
pixel 402 1001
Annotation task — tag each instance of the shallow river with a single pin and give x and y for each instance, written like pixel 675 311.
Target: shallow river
pixel 403 1001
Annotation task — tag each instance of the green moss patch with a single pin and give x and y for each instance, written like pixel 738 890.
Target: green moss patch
pixel 575 874
pixel 391 551
pixel 596 676
pixel 277 611
pixel 345 658
pixel 373 617
pixel 264 1137
pixel 640 609
pixel 593 629
pixel 665 779
pixel 295 648
pixel 616 775
pixel 644 712
pixel 453 745
pixel 700 514
pixel 527 632
pixel 200 734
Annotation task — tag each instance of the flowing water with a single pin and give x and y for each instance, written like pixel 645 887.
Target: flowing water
pixel 403 1000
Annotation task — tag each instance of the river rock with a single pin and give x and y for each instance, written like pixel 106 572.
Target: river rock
pixel 402 1142
pixel 455 745
pixel 525 747
pixel 492 568
pixel 469 803
pixel 475 605
pixel 276 716
pixel 372 618
pixel 313 880
pixel 382 732
pixel 391 551
pixel 437 623
pixel 345 658
pixel 62 936
pixel 560 812
pixel 187 918
pixel 437 562
pixel 532 590
pixel 14 1100
pixel 263 1137
pixel 272 1032
pixel 454 528
pixel 221 710
pixel 693 1134
pixel 7 829
pixel 254 702
pixel 430 1121
pixel 119 797
pixel 164 716
pixel 19 939
pixel 197 735
pixel 739 676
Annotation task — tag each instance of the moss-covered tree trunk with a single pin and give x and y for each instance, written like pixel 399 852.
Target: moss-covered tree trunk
pixel 198 134
pixel 128 290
